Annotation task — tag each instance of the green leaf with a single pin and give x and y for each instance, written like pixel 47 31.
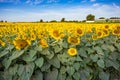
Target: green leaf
pixel 76 66
pixel 10 47
pixel 27 71
pixel 16 54
pixel 45 66
pixel 84 75
pixel 62 70
pixel 57 48
pixel 76 76
pixel 69 78
pixel 6 62
pixel 101 63
pixel 78 58
pixel 32 53
pixel 3 53
pixel 39 62
pixel 27 58
pixel 52 75
pixel 13 70
pixel 65 44
pixel 38 48
pixel 104 76
pixel 110 62
pixel 38 75
pixel 82 52
pixel 99 50
pixel 89 50
pixel 70 70
pixel 111 48
pixel 20 70
pixel 94 57
pixel 45 52
pixel 61 77
pixel 50 56
pixel 55 62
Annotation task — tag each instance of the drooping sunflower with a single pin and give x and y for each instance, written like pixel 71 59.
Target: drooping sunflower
pixel 43 43
pixel 74 40
pixel 72 51
pixel 21 43
pixel 2 43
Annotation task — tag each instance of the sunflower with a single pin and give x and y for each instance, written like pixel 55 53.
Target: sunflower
pixel 21 43
pixel 99 34
pixel 106 27
pixel 116 32
pixel 33 36
pixel 74 40
pixel 94 37
pixel 2 43
pixel 79 32
pixel 55 34
pixel 105 32
pixel 43 43
pixel 72 51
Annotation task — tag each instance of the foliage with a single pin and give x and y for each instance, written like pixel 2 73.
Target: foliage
pixel 90 17
pixel 91 59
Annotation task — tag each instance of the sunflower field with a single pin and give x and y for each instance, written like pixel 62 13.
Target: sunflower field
pixel 59 51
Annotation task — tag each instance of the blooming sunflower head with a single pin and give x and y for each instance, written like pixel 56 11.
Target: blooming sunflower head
pixel 116 32
pixel 21 43
pixel 79 32
pixel 55 34
pixel 99 34
pixel 2 43
pixel 74 40
pixel 105 32
pixel 72 51
pixel 43 43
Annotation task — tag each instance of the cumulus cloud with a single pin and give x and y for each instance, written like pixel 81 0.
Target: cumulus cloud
pixel 70 13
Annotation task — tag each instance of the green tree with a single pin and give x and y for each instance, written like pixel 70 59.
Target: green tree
pixel 41 20
pixel 101 18
pixel 90 17
pixel 63 20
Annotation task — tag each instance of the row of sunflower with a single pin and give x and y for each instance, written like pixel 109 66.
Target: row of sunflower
pixel 59 51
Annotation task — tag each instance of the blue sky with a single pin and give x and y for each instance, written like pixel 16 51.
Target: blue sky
pixel 34 10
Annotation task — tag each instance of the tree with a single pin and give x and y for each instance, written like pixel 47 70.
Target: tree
pixel 1 21
pixel 41 20
pixel 90 17
pixel 63 20
pixel 101 18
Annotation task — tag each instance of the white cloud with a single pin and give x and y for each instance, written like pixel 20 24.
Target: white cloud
pixel 52 1
pixel 34 2
pixel 96 4
pixel 70 13
pixel 92 0
pixel 116 5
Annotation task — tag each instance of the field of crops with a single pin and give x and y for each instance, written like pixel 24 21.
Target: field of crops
pixel 59 51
